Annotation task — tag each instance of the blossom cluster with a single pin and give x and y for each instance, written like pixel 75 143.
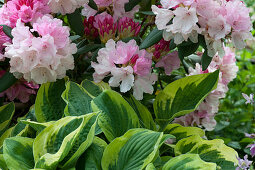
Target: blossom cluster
pixel 41 54
pixel 204 115
pixel 128 67
pixel 215 19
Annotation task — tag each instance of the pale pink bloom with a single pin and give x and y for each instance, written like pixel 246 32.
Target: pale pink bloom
pixel 173 3
pixel 87 11
pixel 249 99
pixel 238 38
pixel 163 16
pixel 119 9
pixel 65 6
pixel 26 10
pixel 142 65
pixel 103 3
pixel 170 62
pixel 128 28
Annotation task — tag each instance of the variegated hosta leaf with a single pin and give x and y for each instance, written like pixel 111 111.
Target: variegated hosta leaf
pixel 18 153
pixel 36 125
pixel 150 166
pixel 62 143
pixel 209 150
pixel 132 151
pixel 183 96
pixel 3 165
pixel 190 162
pixel 6 113
pixel 181 132
pixel 144 115
pixel 117 115
pixel 91 158
pixel 49 105
pixel 94 89
pixel 77 100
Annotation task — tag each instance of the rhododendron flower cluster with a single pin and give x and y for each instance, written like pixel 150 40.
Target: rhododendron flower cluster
pixel 42 54
pixel 104 25
pixel 204 115
pixel 26 10
pixel 20 90
pixel 216 20
pixel 128 67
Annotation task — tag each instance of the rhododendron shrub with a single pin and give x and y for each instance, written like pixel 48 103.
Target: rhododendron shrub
pixel 117 84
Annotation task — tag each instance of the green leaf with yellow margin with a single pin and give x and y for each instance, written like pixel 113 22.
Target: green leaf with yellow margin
pixel 183 96
pixel 18 153
pixel 209 151
pixel 62 143
pixel 117 115
pixel 190 162
pixel 3 165
pixel 94 89
pixel 6 113
pixel 181 132
pixel 132 151
pixel 49 105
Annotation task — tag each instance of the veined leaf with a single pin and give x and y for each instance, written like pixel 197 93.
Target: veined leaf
pixel 18 153
pixel 61 143
pixel 5 135
pixel 6 113
pixel 132 151
pixel 49 105
pixel 209 150
pixel 94 89
pixel 36 125
pixel 2 163
pixel 117 115
pixel 183 96
pixel 181 132
pixel 77 100
pixel 188 161
pixel 150 166
pixel 154 37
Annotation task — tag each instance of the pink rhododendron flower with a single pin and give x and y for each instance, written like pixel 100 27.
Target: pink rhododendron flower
pixel 128 67
pixel 65 6
pixel 21 90
pixel 26 10
pixel 87 11
pixel 41 59
pixel 204 115
pixel 90 31
pixel 3 39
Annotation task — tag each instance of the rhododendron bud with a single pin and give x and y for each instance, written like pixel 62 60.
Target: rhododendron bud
pixel 65 6
pixel 160 49
pixel 106 26
pixel 21 90
pixel 128 28
pixel 90 31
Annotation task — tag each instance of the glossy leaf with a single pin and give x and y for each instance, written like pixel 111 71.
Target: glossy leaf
pixel 7 80
pixel 183 96
pixel 94 89
pixel 188 161
pixel 76 23
pixel 6 114
pixel 49 105
pixel 154 37
pixel 117 115
pixel 3 165
pixel 209 150
pixel 18 153
pixel 132 151
pixel 131 4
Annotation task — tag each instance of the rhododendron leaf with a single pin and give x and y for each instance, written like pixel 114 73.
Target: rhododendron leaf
pixel 146 12
pixel 206 59
pixel 134 150
pixel 7 30
pixel 6 114
pixel 154 37
pixel 77 100
pixel 94 89
pixel 18 153
pixel 75 21
pixel 7 80
pixel 144 115
pixel 62 143
pixel 187 49
pixel 209 150
pixel 91 158
pixel 117 115
pixel 92 4
pixel 49 105
pixel 183 96
pixel 181 132
pixel 188 161
pixel 131 4
pixel 2 163
pixel 88 48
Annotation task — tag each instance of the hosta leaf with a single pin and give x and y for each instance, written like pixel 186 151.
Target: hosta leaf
pixel 145 117
pixel 209 150
pixel 77 100
pixel 2 163
pixel 18 153
pixel 183 96
pixel 64 141
pixel 91 159
pixel 181 132
pixel 49 105
pixel 36 125
pixel 188 161
pixel 6 113
pixel 94 89
pixel 117 115
pixel 132 151
pixel 5 135
pixel 150 166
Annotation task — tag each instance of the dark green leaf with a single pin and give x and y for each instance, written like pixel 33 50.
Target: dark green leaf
pixel 75 21
pixel 154 37
pixel 88 48
pixel 131 4
pixel 7 30
pixel 7 80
